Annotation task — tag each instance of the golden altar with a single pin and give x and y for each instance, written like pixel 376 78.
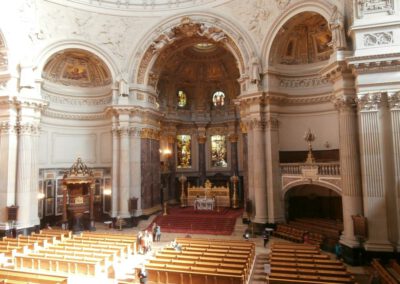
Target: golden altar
pixel 219 193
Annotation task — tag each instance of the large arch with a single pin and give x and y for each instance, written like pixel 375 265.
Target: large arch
pixel 322 7
pixel 58 46
pixel 291 185
pixel 143 58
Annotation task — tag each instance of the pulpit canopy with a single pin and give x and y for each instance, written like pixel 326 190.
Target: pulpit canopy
pixel 78 173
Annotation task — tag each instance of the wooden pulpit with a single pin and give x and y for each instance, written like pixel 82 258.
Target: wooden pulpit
pixel 78 197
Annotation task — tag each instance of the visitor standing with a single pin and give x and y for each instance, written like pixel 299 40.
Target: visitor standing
pixel 265 237
pixel 158 233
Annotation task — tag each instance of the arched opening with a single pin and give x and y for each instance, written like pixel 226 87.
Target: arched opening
pixel 313 202
pixel 197 82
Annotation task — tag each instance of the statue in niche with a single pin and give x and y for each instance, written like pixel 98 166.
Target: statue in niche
pixel 336 24
pixel 164 39
pixel 123 84
pixel 211 32
pixel 255 70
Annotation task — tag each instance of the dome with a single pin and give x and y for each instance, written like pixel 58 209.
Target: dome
pixel 77 68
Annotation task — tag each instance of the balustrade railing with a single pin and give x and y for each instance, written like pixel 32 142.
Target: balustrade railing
pixel 324 169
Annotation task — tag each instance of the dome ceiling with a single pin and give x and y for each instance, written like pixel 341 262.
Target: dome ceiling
pixel 201 62
pixel 77 68
pixel 303 39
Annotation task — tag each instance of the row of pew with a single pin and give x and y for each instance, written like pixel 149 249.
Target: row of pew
pixel 199 261
pixel 90 254
pixel 302 263
pixel 386 274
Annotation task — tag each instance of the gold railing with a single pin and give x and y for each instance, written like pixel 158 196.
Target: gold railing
pixel 324 169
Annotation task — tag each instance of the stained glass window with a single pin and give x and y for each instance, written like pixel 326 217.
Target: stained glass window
pixel 184 151
pixel 182 98
pixel 218 151
pixel 218 98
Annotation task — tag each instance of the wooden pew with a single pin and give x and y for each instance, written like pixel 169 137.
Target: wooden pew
pixel 11 276
pixel 383 273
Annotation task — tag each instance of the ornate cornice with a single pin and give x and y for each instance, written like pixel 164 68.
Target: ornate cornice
pixel 303 82
pixel 375 63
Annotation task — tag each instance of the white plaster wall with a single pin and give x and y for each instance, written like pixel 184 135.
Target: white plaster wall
pixel 60 146
pixel 293 127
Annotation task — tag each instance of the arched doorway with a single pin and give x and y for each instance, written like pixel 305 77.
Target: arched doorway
pixel 313 201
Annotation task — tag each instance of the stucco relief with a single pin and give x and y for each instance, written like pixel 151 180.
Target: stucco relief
pixel 380 38
pixel 255 15
pixel 107 31
pixel 374 6
pixel 394 100
pixel 282 3
pixel 369 102
pixel 76 101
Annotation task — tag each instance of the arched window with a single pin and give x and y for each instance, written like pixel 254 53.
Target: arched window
pixel 218 99
pixel 182 98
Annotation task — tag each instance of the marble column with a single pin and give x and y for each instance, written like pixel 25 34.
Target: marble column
pixel 258 172
pixel 201 139
pixel 250 168
pixel 349 167
pixel 115 171
pixel 276 212
pixel 24 175
pixel 245 165
pixel 8 169
pixel 135 168
pixel 233 139
pixel 372 172
pixel 124 173
pixel 394 104
pixel 172 168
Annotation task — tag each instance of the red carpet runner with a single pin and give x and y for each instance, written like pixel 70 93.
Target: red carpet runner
pixel 190 221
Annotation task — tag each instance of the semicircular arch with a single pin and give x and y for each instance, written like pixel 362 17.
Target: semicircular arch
pixel 328 185
pixel 144 56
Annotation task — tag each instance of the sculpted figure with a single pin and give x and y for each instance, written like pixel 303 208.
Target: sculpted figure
pixel 336 24
pixel 164 39
pixel 255 70
pixel 123 84
pixel 211 32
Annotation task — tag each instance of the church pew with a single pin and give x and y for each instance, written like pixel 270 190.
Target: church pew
pixel 299 255
pixel 180 274
pixel 105 242
pixel 307 265
pixel 30 277
pixel 30 244
pixel 57 232
pixel 49 239
pixel 278 245
pixel 383 273
pixel 86 266
pixel 323 279
pixel 307 260
pixel 123 251
pixel 111 252
pixel 104 259
pixel 304 271
pixel 131 239
pixel 10 247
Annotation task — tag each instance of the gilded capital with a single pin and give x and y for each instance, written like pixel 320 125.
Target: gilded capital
pixel 150 133
pixel 233 138
pixel 201 139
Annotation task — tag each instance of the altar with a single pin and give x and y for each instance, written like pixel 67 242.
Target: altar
pixel 204 204
pixel 208 194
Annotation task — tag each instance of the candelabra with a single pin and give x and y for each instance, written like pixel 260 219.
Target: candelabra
pixel 235 201
pixel 182 180
pixel 309 137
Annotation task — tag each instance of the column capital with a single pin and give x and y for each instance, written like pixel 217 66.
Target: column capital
pixel 243 127
pixel 370 101
pixel 123 130
pixel 150 133
pixel 344 103
pixel 272 123
pixel 394 100
pixel 25 128
pixel 233 138
pixel 201 139
pixel 7 128
pixel 135 132
pixel 256 123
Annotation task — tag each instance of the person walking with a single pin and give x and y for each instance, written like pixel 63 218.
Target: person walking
pixel 158 233
pixel 265 237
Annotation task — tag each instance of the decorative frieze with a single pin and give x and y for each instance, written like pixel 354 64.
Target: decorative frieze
pixel 58 99
pixel 75 116
pixel 378 39
pixel 304 82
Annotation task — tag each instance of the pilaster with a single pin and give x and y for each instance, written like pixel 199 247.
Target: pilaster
pixel 373 165
pixel 272 170
pixel 135 168
pixel 394 105
pixel 124 175
pixel 115 168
